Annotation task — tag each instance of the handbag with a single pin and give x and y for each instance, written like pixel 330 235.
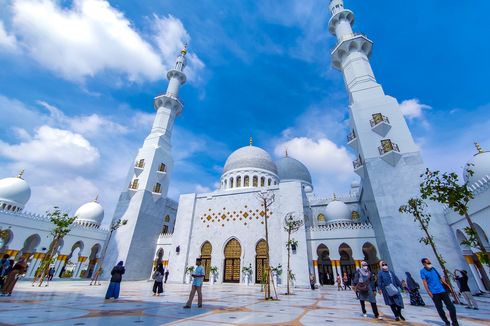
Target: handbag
pixel 363 286
pixel 391 289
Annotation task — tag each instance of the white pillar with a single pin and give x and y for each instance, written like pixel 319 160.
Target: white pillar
pixel 317 272
pixel 32 267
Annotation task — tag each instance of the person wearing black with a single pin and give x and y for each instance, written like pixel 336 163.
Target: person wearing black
pixel 461 276
pixel 166 275
pixel 4 268
pixel 115 284
pixel 413 290
pixel 158 276
pixel 364 284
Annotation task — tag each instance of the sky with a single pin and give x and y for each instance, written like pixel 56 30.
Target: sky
pixel 78 79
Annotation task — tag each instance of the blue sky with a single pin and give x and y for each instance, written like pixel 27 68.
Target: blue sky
pixel 78 79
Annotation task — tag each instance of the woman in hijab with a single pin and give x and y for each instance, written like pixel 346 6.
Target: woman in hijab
pixel 413 291
pixel 115 285
pixel 14 274
pixel 364 285
pixel 388 285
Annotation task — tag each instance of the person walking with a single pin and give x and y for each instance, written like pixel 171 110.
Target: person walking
pixel 14 274
pixel 51 273
pixel 158 276
pixel 388 285
pixel 339 283
pixel 413 290
pixel 116 278
pixel 364 284
pixel 461 276
pixel 312 281
pixel 434 285
pixel 4 269
pixel 346 281
pixel 196 285
pixel 166 275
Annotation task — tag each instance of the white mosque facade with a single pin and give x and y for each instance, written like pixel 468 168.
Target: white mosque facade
pixel 226 227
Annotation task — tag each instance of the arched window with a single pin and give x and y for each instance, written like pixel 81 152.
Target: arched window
pixel 231 182
pixel 320 218
pixel 269 182
pixel 262 181
pixel 157 188
pixel 167 218
pixel 246 181
pixel 255 181
pixel 239 181
pixel 226 184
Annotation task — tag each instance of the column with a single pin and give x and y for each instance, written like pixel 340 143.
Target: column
pixel 336 265
pixel 58 264
pixel 317 272
pixel 78 267
pixel 358 263
pixel 475 272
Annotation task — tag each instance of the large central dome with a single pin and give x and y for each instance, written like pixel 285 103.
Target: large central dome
pixel 250 157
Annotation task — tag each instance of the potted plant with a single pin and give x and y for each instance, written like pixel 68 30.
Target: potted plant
pixel 247 272
pixel 276 272
pixel 214 274
pixel 188 272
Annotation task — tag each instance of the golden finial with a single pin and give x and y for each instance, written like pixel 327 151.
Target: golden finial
pixel 479 149
pixel 184 50
pixel 251 141
pixel 21 173
pixel 96 198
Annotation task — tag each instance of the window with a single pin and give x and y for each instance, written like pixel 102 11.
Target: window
pixel 157 188
pixel 246 181
pixel 134 184
pixel 140 163
pixel 239 181
pixel 165 229
pixel 226 184
pixel 162 167
pixel 255 181
pixel 167 218
pixel 231 182
pixel 269 182
pixel 321 218
pixel 262 181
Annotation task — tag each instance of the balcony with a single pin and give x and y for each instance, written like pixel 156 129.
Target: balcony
pixel 358 167
pixel 380 124
pixel 352 140
pixel 389 152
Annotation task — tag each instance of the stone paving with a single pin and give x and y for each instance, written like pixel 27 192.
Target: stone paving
pixel 76 303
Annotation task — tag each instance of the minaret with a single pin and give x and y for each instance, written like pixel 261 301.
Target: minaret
pixel 142 202
pixel 388 161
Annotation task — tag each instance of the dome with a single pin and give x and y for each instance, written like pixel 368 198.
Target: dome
pixel 479 164
pixel 250 157
pixel 14 191
pixel 289 168
pixel 337 210
pixel 90 213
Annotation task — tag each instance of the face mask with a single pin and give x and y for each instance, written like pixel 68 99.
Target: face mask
pixel 429 266
pixel 365 268
pixel 385 268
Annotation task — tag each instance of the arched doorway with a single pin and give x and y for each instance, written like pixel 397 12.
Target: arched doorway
pixel 347 264
pixel 92 260
pixel 371 257
pixel 69 267
pixel 233 252
pixel 261 261
pixel 29 248
pixel 475 265
pixel 206 250
pixel 325 271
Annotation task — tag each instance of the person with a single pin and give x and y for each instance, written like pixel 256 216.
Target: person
pixel 51 273
pixel 4 268
pixel 116 278
pixel 434 285
pixel 166 275
pixel 339 283
pixel 196 285
pixel 364 284
pixel 413 291
pixel 312 281
pixel 388 285
pixel 158 276
pixel 461 276
pixel 346 281
pixel 14 274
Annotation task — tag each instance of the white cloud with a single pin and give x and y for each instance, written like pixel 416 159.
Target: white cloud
pixel 91 37
pixel 53 147
pixel 7 41
pixel 202 189
pixel 413 109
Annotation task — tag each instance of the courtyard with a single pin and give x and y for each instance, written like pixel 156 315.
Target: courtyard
pixel 77 303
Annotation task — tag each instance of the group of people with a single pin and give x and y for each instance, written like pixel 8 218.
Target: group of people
pixel 10 272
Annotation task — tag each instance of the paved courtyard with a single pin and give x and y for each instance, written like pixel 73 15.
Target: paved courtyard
pixel 76 303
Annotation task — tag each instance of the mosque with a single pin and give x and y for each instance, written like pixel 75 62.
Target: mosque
pixel 226 227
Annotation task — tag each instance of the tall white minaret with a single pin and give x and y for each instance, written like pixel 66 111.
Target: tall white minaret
pixel 142 202
pixel 387 159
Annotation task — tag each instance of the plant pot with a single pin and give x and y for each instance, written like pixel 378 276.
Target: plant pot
pixel 187 278
pixel 247 279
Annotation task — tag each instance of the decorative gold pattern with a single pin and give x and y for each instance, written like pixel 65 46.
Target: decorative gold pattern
pixel 232 216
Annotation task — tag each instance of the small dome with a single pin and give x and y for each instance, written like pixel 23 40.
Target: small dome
pixel 15 191
pixel 250 157
pixel 289 168
pixel 479 164
pixel 337 210
pixel 90 213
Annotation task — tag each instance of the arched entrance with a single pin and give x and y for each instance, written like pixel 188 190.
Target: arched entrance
pixel 347 264
pixel 371 257
pixel 69 267
pixel 233 252
pixel 325 271
pixel 92 260
pixel 206 250
pixel 29 248
pixel 261 261
pixel 474 263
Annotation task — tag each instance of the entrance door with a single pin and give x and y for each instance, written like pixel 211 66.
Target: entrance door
pixel 233 251
pixel 261 262
pixel 206 250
